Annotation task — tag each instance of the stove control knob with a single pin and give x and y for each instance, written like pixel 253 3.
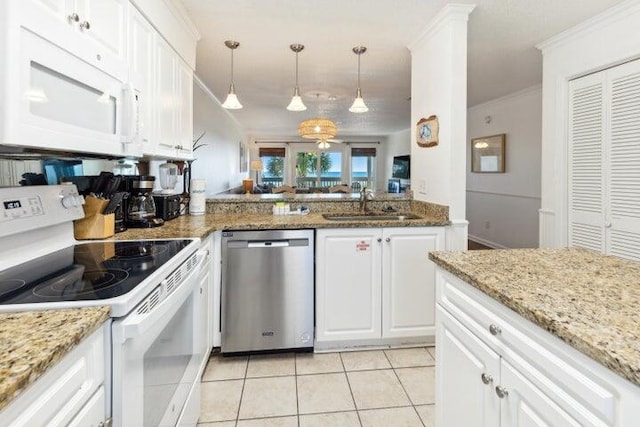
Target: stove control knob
pixel 72 200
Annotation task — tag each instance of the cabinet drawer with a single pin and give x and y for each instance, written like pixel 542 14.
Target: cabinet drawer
pixel 56 397
pixel 565 374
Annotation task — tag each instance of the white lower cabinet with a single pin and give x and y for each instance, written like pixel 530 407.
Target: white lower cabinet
pixel 375 283
pixel 495 368
pixel 70 393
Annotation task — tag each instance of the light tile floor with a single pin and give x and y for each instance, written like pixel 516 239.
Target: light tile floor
pixel 364 388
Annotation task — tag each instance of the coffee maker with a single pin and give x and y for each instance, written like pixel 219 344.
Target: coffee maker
pixel 139 208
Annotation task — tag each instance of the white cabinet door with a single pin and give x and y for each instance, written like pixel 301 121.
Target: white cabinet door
pixel 185 109
pixel 142 73
pixel 104 22
pixel 205 314
pixel 166 113
pixel 93 412
pixel 58 7
pixel 465 383
pixel 408 283
pixel 526 406
pixel 348 284
pixel 216 284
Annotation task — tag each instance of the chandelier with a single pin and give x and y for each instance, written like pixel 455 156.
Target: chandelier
pixel 317 128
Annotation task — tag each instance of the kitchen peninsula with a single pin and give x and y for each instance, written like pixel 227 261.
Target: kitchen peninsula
pixel 545 334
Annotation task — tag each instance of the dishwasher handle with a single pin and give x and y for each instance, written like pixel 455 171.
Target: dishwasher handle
pixel 266 244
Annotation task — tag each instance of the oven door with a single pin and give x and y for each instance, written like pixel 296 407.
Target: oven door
pixel 156 357
pixel 56 100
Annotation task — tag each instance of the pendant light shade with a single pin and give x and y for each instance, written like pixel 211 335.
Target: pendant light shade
pixel 358 105
pixel 296 103
pixel 317 128
pixel 232 102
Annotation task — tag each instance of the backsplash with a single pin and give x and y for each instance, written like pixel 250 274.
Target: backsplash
pixel 326 203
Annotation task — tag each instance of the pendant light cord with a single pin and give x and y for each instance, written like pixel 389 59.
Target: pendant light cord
pixel 358 71
pixel 232 68
pixel 296 70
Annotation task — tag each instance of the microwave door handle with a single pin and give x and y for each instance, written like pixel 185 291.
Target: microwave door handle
pixel 131 116
pixel 136 325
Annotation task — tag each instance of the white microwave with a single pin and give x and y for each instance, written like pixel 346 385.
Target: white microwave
pixel 54 100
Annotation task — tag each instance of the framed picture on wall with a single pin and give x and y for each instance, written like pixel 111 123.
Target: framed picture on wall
pixel 488 154
pixel 242 150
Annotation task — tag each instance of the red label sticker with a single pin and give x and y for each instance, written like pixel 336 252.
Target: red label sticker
pixel 362 246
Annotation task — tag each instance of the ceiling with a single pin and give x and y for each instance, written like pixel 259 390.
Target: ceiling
pixel 501 51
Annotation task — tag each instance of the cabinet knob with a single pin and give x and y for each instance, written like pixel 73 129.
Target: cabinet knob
pixel 486 378
pixel 608 225
pixel 379 239
pixel 85 25
pixel 495 329
pixel 501 392
pixel 74 17
pixel 388 239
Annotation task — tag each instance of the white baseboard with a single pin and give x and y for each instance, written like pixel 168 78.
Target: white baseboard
pixel 486 242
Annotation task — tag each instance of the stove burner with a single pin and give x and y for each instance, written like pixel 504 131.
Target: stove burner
pixel 10 285
pixel 138 250
pixel 92 281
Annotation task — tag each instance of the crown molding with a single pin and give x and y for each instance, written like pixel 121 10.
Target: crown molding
pixel 449 13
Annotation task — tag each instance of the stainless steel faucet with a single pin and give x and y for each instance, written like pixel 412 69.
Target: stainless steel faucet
pixel 365 195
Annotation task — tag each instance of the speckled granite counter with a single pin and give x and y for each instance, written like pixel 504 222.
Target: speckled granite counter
pixel 201 226
pixel 34 341
pixel 590 301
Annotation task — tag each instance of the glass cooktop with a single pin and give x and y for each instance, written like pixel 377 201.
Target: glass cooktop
pixel 88 271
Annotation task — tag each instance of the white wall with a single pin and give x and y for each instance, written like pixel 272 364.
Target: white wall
pixel 439 86
pixel 502 208
pixel 218 161
pixel 603 41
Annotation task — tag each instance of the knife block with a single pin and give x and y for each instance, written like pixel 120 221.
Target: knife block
pixel 94 225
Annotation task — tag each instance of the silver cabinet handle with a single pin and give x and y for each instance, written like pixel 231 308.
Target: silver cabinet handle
pixel 85 25
pixel 379 239
pixel 495 329
pixel 74 17
pixel 486 378
pixel 388 239
pixel 501 392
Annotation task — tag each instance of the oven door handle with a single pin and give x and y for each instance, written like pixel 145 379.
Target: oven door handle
pixel 136 324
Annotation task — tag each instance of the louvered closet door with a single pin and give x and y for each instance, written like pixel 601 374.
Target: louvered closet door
pixel 586 153
pixel 623 219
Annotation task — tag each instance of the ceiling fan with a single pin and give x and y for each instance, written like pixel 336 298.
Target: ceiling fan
pixel 323 144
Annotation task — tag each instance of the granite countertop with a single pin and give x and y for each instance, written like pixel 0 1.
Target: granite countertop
pixel 34 341
pixel 200 226
pixel 589 300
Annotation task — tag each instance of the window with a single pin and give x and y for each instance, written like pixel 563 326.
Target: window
pixel 272 166
pixel 318 169
pixel 363 167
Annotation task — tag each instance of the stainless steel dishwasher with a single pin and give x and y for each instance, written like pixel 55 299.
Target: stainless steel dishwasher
pixel 267 290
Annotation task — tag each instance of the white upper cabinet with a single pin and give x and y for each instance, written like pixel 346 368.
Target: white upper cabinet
pixel 604 161
pixel 94 30
pixel 174 88
pixel 142 74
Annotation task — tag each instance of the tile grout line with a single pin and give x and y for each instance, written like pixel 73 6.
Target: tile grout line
pixel 244 380
pixel 403 388
pixel 355 405
pixel 295 379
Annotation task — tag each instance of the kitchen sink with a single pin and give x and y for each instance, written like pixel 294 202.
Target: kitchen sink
pixel 370 216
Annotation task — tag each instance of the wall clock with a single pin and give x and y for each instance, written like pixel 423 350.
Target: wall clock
pixel 427 132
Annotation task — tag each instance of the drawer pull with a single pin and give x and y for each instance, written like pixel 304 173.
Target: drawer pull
pixel 74 17
pixel 85 25
pixel 486 378
pixel 495 329
pixel 501 392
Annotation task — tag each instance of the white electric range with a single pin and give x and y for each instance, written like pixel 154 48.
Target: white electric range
pixel 151 286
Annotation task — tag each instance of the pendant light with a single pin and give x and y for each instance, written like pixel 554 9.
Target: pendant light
pixel 358 105
pixel 232 102
pixel 296 103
